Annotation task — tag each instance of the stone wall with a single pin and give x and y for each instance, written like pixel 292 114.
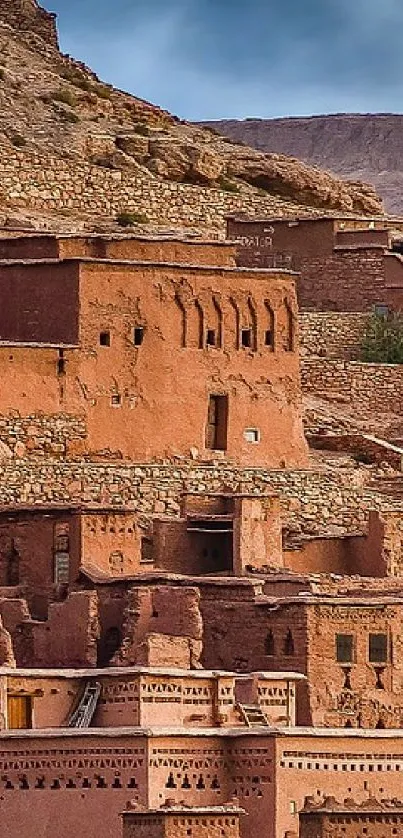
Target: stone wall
pixel 371 387
pixel 44 183
pixel 332 334
pixel 311 501
pixel 41 435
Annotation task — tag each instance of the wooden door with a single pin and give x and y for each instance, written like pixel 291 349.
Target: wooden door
pixel 19 712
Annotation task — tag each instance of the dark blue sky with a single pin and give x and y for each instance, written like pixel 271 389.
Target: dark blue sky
pixel 239 58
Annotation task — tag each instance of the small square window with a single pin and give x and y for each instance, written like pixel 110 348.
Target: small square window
pixel 138 335
pixel 252 434
pixel 246 338
pixel 344 648
pixel 116 400
pixel 211 337
pixel 105 338
pixel 378 648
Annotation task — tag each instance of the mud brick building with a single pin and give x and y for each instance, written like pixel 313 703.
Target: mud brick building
pixel 179 822
pixel 331 819
pixel 119 344
pixel 345 263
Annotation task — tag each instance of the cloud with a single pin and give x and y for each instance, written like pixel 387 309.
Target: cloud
pixel 212 58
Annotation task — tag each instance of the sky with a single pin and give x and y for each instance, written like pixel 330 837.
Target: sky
pixel 212 59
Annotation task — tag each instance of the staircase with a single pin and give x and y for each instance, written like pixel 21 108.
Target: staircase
pixel 253 715
pixel 83 714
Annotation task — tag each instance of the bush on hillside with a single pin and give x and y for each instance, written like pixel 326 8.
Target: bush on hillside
pixel 383 339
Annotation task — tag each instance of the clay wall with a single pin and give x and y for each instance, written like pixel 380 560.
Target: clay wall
pixel 344 556
pixel 222 823
pixel 32 307
pixel 350 692
pixel 68 638
pixel 125 383
pixel 111 542
pixel 29 549
pixel 162 627
pixel 321 764
pixel 129 387
pixel 352 824
pixel 70 780
pixel 129 248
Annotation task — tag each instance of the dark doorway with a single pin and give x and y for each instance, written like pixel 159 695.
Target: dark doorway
pixel 13 565
pixel 217 423
pixel 108 645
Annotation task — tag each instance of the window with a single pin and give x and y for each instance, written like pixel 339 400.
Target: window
pixel 269 646
pixel 62 568
pixel 138 335
pixel 252 434
pixel 105 338
pixel 378 648
pixel 246 338
pixel 217 423
pixel 116 400
pixel 344 648
pixel 61 363
pixel 268 338
pixel 211 337
pixel 381 310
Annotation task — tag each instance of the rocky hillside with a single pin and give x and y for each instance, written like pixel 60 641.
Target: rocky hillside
pixel 364 147
pixel 74 149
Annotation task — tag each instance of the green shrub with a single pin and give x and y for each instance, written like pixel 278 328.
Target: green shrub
pixel 71 117
pixel 65 96
pixel 227 185
pixel 103 91
pixel 142 129
pixel 382 342
pixel 128 219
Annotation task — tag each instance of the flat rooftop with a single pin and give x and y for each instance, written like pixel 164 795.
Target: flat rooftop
pixel 120 672
pixel 181 266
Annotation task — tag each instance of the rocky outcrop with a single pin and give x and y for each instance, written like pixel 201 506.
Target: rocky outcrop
pixel 363 147
pixel 28 17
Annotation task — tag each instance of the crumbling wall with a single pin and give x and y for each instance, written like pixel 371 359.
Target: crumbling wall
pixel 6 649
pixel 163 627
pixel 67 639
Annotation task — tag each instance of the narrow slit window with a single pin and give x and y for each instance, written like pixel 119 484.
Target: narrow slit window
pixel 138 335
pixel 105 338
pixel 268 338
pixel 246 338
pixel 61 363
pixel 211 339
